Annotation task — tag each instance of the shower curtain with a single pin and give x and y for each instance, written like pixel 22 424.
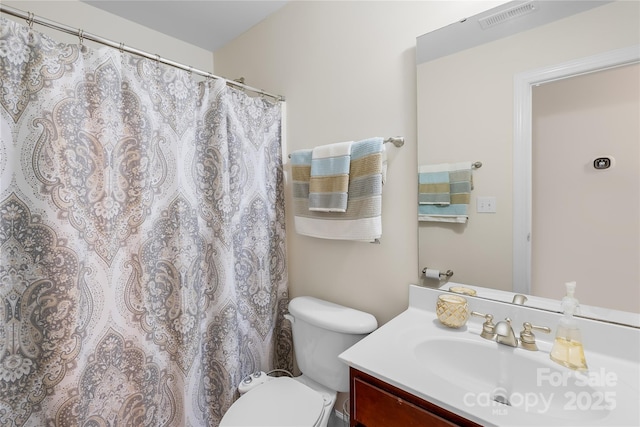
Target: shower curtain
pixel 142 244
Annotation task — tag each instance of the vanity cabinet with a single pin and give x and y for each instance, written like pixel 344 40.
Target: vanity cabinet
pixel 375 403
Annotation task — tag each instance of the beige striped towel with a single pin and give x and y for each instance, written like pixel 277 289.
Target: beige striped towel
pixel 362 219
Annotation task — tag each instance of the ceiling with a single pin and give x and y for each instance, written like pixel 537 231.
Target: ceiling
pixel 506 19
pixel 209 24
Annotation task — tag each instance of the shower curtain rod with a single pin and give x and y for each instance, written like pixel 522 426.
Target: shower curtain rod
pixel 81 34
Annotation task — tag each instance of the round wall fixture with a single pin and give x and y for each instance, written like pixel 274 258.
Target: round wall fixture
pixel 603 162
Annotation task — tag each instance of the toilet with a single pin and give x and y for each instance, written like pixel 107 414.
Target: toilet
pixel 321 331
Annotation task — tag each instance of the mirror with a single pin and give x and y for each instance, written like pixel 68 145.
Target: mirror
pixel 470 109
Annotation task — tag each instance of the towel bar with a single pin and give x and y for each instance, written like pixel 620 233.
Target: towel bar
pixel 397 141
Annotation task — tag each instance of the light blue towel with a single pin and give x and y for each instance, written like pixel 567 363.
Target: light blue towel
pixel 300 171
pixel 301 157
pixel 330 166
pixel 329 181
pixel 367 147
pixel 433 185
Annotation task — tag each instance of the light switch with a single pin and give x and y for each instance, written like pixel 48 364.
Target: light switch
pixel 486 204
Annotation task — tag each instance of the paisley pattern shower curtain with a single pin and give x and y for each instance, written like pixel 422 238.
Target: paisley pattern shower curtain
pixel 142 246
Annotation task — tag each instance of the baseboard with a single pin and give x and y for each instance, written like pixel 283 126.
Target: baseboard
pixel 343 419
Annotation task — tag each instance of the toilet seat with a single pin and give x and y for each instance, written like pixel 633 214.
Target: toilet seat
pixel 281 401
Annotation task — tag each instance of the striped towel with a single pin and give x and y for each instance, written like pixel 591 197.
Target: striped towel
pixel 461 181
pixel 329 182
pixel 448 213
pixel 433 185
pixel 362 221
pixel 460 186
pixel 300 177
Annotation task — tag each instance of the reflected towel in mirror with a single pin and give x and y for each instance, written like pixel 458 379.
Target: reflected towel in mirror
pixel 433 185
pixel 460 185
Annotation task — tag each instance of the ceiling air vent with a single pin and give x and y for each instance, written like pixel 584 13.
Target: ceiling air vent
pixel 506 15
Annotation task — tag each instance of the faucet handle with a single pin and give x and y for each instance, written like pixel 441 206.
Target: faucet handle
pixel 528 339
pixel 488 327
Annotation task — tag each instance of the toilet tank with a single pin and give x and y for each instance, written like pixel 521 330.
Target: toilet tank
pixel 321 331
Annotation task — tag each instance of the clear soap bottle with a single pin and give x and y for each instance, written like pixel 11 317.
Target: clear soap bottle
pixel 567 348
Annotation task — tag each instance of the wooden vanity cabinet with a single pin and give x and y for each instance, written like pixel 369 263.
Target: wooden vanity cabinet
pixel 374 403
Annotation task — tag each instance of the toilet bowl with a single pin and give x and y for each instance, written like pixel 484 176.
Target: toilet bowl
pixel 282 401
pixel 321 331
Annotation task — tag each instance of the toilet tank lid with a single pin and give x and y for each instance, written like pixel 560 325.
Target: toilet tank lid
pixel 332 316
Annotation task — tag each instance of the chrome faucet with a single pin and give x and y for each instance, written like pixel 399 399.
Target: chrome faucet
pixel 504 333
pixel 519 299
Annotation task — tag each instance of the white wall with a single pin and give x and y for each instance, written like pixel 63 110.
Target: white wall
pixel 348 72
pixel 590 217
pixel 96 21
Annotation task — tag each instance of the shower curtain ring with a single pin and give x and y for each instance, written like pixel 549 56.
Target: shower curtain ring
pixel 81 36
pixel 30 16
pixel 121 47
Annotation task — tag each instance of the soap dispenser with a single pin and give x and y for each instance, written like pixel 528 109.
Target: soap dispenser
pixel 567 348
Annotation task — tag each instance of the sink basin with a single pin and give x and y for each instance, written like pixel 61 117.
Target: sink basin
pixel 496 385
pixel 507 379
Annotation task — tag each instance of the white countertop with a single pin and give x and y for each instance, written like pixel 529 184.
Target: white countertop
pixel 388 354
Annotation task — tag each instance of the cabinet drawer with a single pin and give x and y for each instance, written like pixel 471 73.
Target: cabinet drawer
pixel 375 407
pixel 375 403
